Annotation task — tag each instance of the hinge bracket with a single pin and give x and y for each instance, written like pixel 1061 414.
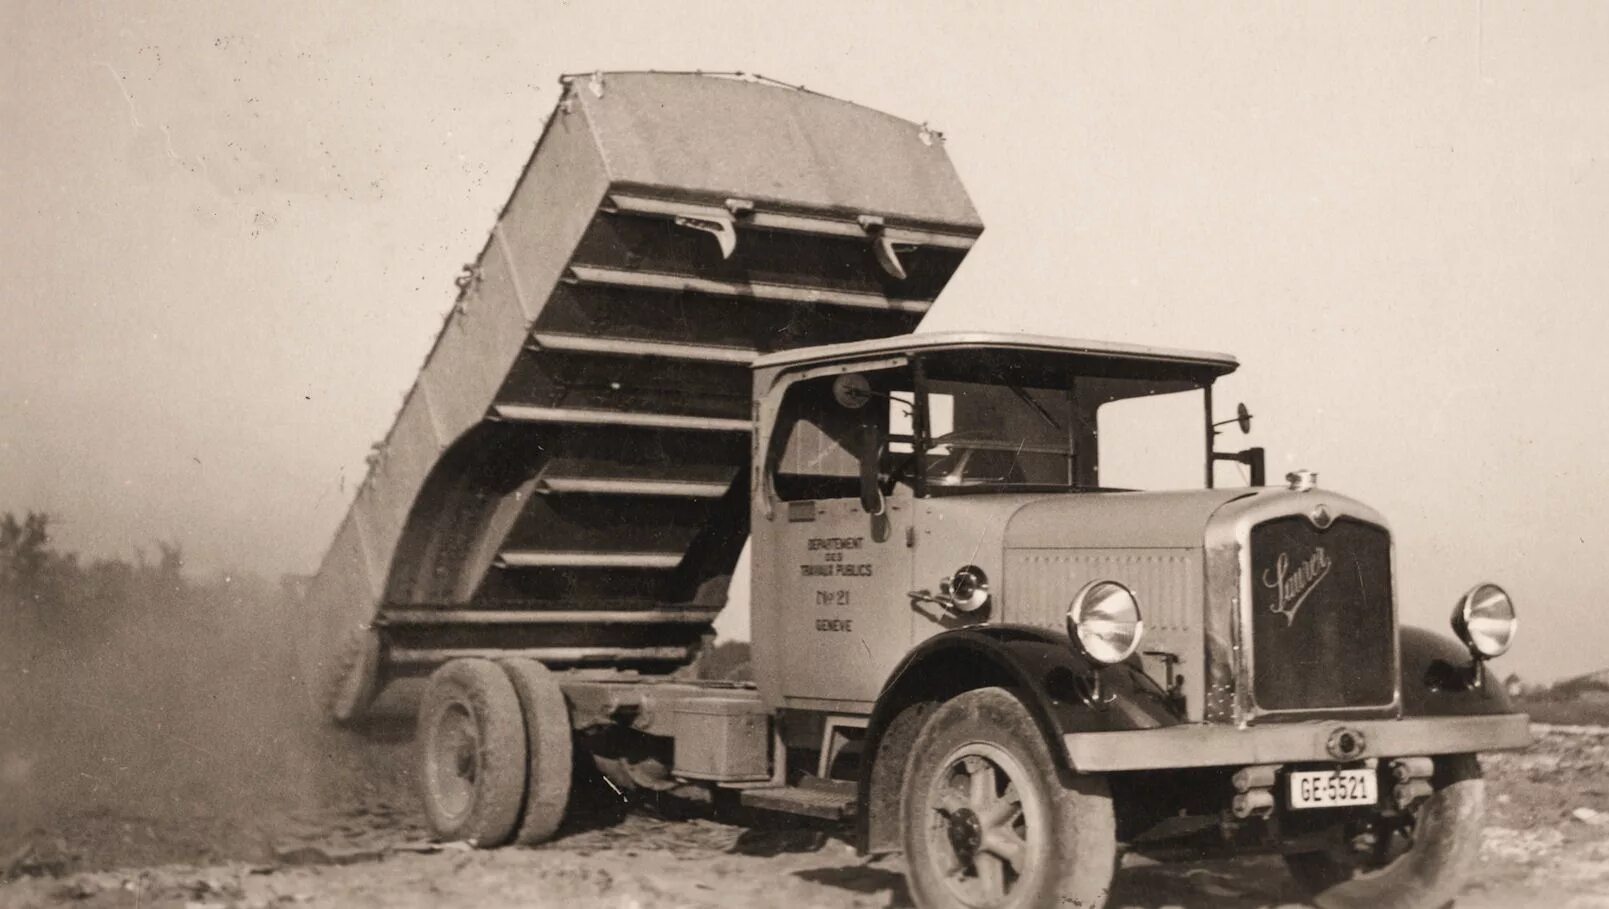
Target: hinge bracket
pixel 882 246
pixel 721 229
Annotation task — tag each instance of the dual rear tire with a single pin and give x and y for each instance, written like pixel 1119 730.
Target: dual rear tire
pixel 494 757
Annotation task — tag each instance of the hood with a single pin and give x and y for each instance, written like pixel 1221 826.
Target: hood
pixel 1121 520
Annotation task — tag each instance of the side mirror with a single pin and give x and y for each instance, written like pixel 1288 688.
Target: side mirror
pixel 1242 419
pixel 1252 458
pixel 871 451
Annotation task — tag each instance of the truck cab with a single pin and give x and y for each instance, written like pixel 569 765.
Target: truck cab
pixel 887 469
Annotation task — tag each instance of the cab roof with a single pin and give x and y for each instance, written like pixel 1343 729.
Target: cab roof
pixel 1216 364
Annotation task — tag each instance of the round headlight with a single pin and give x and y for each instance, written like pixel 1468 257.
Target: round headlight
pixel 1105 621
pixel 1485 621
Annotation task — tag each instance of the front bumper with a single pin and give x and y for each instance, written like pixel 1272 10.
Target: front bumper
pixel 1203 745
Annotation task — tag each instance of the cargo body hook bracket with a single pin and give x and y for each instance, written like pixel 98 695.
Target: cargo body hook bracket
pixel 882 247
pixel 722 229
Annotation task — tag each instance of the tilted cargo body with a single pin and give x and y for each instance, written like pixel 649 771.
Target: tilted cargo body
pixel 568 477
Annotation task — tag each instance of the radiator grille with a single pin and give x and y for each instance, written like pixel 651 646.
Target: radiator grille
pixel 1323 626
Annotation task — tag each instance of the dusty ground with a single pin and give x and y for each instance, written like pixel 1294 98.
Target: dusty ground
pixel 170 761
pixel 358 841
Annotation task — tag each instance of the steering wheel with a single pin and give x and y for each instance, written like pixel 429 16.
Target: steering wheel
pixel 952 465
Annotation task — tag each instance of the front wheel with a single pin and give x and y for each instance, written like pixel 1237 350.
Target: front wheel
pixel 988 820
pixel 1415 863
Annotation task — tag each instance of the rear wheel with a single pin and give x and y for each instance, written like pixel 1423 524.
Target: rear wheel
pixel 551 752
pixel 1416 862
pixel 988 821
pixel 472 753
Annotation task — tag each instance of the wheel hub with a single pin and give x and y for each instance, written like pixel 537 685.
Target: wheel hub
pixel 965 833
pixel 455 760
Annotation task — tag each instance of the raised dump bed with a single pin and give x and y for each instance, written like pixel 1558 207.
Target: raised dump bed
pixel 567 479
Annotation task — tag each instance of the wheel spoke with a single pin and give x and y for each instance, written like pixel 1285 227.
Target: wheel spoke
pixel 1003 811
pixel 949 864
pixel 946 803
pixel 1008 846
pixel 949 801
pixel 983 788
pixel 991 876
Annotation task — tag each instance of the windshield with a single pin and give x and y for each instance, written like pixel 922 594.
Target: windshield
pixel 1046 423
pixel 983 434
pixel 1152 441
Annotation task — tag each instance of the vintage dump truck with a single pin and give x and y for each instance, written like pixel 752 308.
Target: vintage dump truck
pixel 691 328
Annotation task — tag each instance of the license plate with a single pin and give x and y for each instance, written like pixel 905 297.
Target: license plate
pixel 1333 788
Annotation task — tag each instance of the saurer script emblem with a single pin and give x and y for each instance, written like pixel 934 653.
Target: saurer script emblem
pixel 1291 585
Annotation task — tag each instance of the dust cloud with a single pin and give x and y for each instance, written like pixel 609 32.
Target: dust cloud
pixel 149 717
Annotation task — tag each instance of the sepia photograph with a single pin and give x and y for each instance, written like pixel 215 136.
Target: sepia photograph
pixel 713 455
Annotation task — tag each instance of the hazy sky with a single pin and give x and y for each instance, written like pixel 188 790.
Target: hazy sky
pixel 230 233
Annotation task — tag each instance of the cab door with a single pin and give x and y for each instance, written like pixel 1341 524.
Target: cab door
pixel 835 608
pixel 846 618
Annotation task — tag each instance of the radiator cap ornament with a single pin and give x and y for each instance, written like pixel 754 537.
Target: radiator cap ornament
pixel 1302 480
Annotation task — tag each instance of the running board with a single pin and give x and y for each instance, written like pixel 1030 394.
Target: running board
pixel 525 413
pixel 829 803
pixel 560 559
pixel 775 293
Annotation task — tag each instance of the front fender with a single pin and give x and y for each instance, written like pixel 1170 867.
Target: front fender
pixel 1044 669
pixel 1438 679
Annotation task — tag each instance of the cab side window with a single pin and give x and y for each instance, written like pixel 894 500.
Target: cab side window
pixel 815 445
pixel 815 450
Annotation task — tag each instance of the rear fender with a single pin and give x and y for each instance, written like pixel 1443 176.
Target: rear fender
pixel 1045 670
